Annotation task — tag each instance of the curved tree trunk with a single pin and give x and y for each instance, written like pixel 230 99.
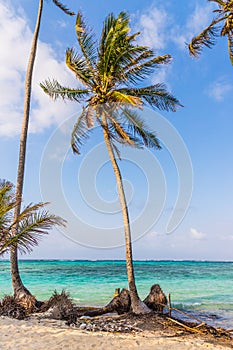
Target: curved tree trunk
pixel 137 305
pixel 18 287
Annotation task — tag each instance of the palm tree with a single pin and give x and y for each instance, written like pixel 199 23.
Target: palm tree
pixel 16 280
pixel 32 223
pixel 208 36
pixel 109 71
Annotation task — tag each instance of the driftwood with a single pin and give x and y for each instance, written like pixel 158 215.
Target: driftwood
pixel 192 329
pixel 120 304
pixel 156 300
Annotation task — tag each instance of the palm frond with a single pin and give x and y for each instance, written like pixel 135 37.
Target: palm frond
pixel 80 131
pixel 27 211
pixel 55 90
pixel 89 117
pixel 32 228
pixel 87 42
pixel 155 96
pixel 7 203
pixel 206 38
pixel 124 136
pixel 120 97
pixel 113 42
pixel 117 130
pixel 139 130
pixel 32 223
pixel 63 7
pixel 139 71
pixel 78 65
pixel 116 150
pixel 228 25
pixel 139 55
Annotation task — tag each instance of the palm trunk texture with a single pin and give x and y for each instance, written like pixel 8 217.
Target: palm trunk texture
pixel 138 307
pixel 18 287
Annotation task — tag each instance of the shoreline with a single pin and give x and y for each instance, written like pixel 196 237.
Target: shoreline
pixel 122 260
pixel 38 334
pixel 202 289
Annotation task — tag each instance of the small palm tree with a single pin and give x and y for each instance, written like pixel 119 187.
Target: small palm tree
pixel 32 223
pixel 208 36
pixel 109 72
pixel 16 280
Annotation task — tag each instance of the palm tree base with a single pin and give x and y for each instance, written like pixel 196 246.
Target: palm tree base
pixel 28 302
pixel 140 308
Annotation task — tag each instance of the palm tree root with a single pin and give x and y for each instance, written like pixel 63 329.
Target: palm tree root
pixel 121 303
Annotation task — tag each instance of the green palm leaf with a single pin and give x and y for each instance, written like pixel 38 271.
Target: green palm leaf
pixel 139 130
pixel 32 223
pixel 113 42
pixel 139 71
pixel 87 43
pixel 7 203
pixel 32 229
pixel 155 96
pixel 78 65
pixel 55 90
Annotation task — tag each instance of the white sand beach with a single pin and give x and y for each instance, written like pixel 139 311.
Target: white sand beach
pixel 32 335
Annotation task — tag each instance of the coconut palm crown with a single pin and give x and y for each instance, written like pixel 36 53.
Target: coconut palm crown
pixel 108 72
pixel 224 15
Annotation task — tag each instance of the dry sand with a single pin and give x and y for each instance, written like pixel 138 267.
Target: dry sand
pixel 52 335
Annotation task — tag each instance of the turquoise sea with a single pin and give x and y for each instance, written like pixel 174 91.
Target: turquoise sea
pixel 205 289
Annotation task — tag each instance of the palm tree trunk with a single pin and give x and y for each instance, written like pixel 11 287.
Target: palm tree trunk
pixel 137 305
pixel 18 287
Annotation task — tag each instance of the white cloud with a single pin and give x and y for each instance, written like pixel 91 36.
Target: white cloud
pixel 196 22
pixel 152 25
pixel 158 28
pixel 219 89
pixel 195 234
pixel 16 39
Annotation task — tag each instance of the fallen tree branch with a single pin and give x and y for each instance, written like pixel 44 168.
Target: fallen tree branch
pixel 186 327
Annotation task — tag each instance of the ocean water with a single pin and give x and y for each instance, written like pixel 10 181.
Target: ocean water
pixel 204 289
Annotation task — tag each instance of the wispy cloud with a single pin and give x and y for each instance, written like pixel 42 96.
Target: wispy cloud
pixel 152 25
pixel 158 27
pixel 158 30
pixel 16 39
pixel 219 89
pixel 198 235
pixel 196 22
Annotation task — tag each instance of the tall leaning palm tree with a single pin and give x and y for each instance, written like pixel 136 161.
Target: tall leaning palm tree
pixel 109 71
pixel 224 16
pixel 16 280
pixel 32 223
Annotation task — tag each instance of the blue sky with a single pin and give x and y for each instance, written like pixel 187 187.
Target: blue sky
pixel 85 192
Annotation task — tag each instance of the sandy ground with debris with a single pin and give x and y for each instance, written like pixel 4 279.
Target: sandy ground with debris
pixel 52 335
